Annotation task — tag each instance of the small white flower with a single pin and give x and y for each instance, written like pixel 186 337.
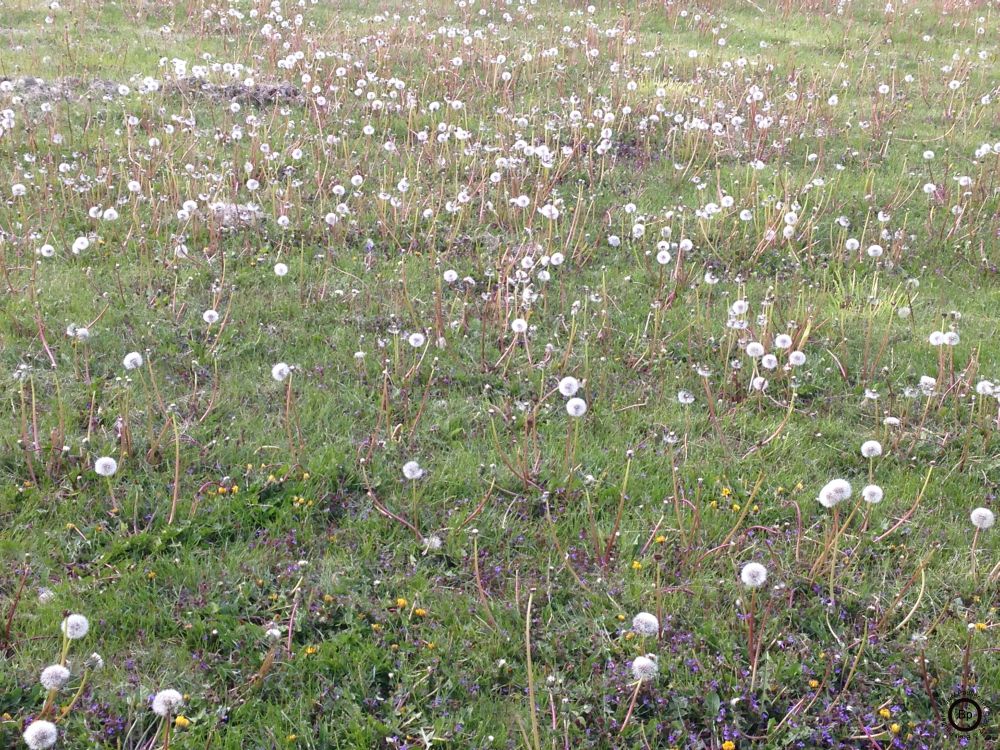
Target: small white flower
pixel 210 316
pixel 280 269
pixel 416 340
pixel 753 575
pixel 519 325
pixel 105 466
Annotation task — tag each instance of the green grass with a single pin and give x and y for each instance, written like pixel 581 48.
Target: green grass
pixel 388 640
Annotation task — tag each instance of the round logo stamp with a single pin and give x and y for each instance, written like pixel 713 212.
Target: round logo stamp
pixel 964 714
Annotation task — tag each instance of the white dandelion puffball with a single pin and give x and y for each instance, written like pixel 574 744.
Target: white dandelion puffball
pixel 871 449
pixel 755 349
pixel 106 466
pixel 40 734
pixel 210 316
pixel 450 276
pixel 416 340
pixel 797 358
pixel 412 470
pixel 280 269
pixel 753 575
pixel 167 702
pixel 645 623
pixel 75 627
pixel 54 677
pixel 982 518
pixel 783 341
pixel 834 492
pixel 132 361
pixel 663 257
pixel 519 325
pixel 568 386
pixel 685 397
pixel 280 371
pixel 576 407
pixel 645 668
pixel 872 493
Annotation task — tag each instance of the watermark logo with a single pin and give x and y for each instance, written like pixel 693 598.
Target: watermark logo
pixel 964 714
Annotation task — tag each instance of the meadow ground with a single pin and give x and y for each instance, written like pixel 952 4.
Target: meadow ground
pixel 499 374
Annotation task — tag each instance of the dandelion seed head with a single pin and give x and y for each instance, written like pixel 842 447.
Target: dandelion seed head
pixel 105 466
pixel 753 575
pixel 568 386
pixel 132 361
pixel 982 518
pixel 54 677
pixel 75 627
pixel 645 668
pixel 872 493
pixel 834 492
pixel 166 702
pixel 871 449
pixel 280 371
pixel 412 470
pixel 40 734
pixel 645 624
